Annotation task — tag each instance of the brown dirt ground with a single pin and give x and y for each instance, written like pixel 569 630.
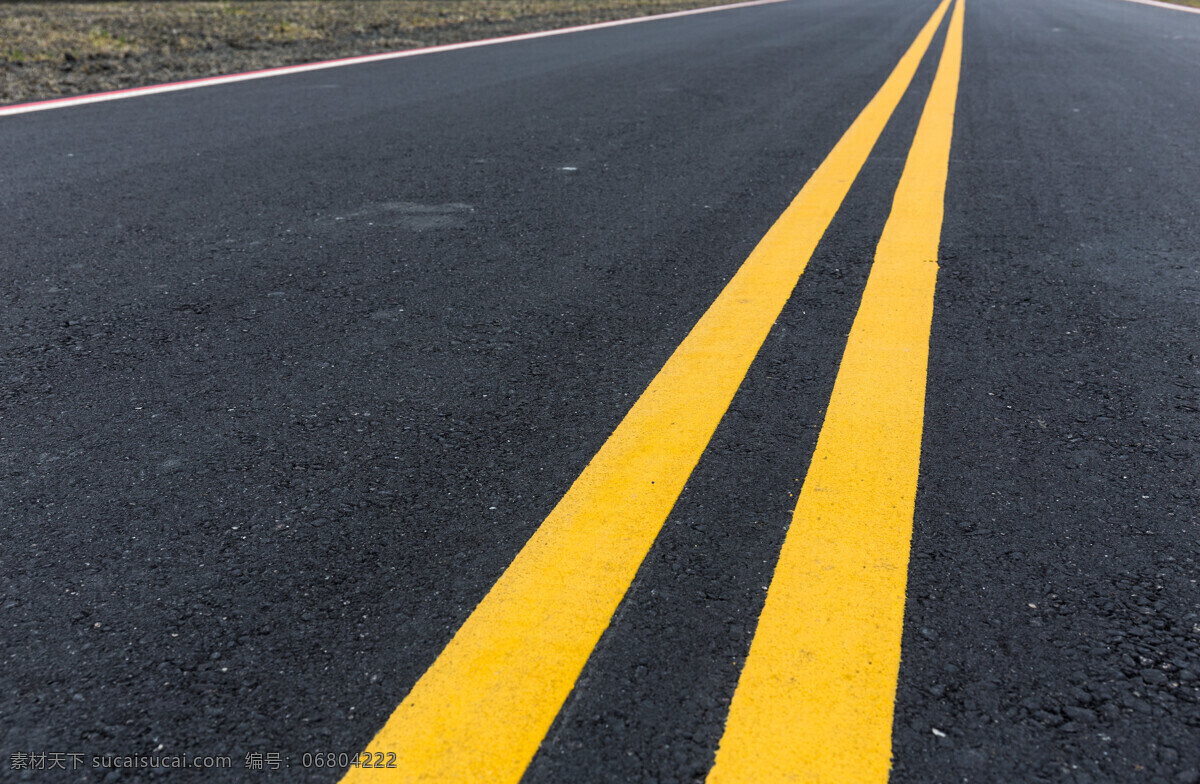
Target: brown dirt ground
pixel 51 49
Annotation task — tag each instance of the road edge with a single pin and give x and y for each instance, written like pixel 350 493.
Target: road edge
pixel 211 81
pixel 1172 6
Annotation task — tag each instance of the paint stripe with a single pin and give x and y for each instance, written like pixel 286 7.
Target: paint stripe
pixel 815 699
pixel 209 81
pixel 481 710
pixel 1170 6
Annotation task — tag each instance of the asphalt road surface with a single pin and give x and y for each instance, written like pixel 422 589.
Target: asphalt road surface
pixel 294 369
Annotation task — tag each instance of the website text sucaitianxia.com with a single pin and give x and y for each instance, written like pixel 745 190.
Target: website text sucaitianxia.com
pixel 254 760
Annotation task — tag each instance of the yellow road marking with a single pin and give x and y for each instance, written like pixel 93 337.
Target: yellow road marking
pixel 814 702
pixel 480 711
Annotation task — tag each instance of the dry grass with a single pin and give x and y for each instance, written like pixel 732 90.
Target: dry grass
pixel 50 49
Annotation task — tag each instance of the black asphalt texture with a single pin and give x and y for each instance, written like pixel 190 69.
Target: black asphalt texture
pixel 292 368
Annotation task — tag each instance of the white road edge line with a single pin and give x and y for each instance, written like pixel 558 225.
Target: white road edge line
pixel 1173 6
pixel 191 84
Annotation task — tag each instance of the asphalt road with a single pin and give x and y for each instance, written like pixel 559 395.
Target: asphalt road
pixel 294 368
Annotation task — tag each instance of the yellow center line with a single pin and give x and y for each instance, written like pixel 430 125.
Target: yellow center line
pixel 814 702
pixel 479 713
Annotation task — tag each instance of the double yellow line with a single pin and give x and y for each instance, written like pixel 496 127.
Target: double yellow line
pixel 814 702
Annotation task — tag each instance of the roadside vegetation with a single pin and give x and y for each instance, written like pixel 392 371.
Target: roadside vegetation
pixel 51 49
